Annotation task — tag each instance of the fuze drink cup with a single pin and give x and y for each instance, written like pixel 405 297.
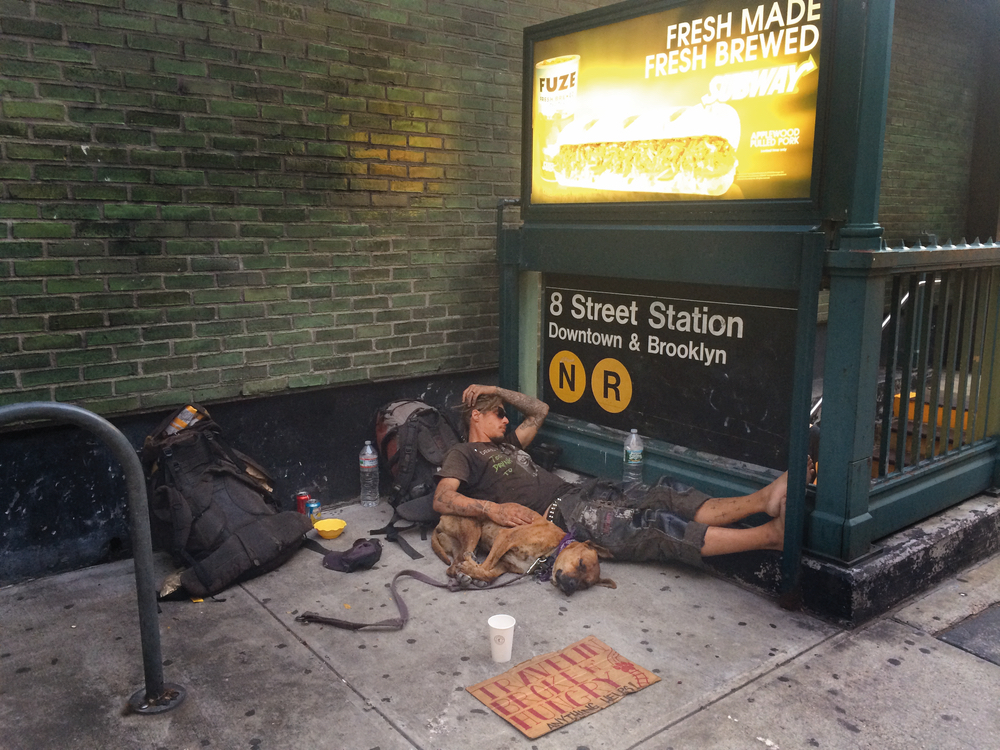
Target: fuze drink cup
pixel 556 83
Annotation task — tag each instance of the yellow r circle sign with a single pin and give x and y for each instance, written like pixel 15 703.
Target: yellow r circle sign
pixel 567 377
pixel 611 385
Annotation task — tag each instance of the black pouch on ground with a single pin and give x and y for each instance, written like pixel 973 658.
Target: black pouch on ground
pixel 362 555
pixel 212 507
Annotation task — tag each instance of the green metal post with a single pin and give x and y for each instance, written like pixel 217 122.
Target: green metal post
pixel 838 527
pixel 858 100
pixel 798 438
pixel 528 379
pixel 988 406
pixel 508 258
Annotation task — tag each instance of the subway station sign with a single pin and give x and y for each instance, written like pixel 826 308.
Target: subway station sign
pixel 705 367
pixel 711 100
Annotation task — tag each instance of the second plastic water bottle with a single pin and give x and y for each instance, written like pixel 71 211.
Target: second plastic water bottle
pixel 368 462
pixel 632 459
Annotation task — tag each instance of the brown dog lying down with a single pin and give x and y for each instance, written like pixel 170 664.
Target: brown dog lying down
pixel 513 550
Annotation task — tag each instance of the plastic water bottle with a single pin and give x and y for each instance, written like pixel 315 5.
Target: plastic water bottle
pixel 368 460
pixel 632 459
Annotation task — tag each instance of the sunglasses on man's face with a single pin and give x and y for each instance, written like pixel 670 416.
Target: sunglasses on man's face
pixel 501 414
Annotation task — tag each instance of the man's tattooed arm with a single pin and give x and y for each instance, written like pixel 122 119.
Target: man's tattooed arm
pixel 449 501
pixel 533 409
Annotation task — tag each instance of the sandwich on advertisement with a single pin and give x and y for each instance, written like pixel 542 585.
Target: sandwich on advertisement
pixel 691 150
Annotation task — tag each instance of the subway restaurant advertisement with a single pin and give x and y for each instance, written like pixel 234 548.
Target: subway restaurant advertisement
pixel 713 100
pixel 706 367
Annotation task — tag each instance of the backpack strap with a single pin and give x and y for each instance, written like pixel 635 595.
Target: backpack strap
pixel 392 531
pixel 393 623
pixel 397 623
pixel 406 456
pixel 455 426
pixel 432 441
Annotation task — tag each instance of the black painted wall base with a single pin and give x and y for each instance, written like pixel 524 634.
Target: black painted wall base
pixel 899 566
pixel 63 495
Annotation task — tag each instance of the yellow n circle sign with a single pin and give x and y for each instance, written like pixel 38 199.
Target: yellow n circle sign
pixel 567 377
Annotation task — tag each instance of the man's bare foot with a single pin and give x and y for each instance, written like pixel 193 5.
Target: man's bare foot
pixel 779 528
pixel 776 491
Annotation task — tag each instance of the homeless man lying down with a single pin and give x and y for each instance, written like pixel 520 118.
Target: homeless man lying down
pixel 492 477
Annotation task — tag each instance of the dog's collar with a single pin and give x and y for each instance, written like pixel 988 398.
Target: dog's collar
pixel 543 565
pixel 550 514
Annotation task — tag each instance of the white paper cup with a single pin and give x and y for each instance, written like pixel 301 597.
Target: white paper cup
pixel 501 636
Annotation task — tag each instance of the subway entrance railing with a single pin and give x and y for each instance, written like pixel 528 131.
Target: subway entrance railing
pixel 910 411
pixel 935 368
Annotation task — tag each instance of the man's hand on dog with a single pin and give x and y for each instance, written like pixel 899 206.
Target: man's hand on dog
pixel 510 514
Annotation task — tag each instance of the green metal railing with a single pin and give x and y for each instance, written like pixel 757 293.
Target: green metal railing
pixel 936 366
pixel 910 403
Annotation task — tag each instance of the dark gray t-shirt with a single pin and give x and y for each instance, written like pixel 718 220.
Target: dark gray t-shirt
pixel 502 473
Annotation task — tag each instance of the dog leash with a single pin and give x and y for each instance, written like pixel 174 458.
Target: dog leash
pixel 397 623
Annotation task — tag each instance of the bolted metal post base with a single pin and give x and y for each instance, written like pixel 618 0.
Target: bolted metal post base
pixel 172 697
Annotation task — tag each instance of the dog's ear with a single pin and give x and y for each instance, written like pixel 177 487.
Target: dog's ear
pixel 606 582
pixel 602 552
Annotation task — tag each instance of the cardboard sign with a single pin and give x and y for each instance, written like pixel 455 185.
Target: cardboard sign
pixel 553 690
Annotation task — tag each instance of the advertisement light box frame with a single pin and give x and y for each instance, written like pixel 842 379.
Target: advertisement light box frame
pixel 631 94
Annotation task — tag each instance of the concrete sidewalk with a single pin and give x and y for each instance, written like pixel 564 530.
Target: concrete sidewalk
pixel 736 670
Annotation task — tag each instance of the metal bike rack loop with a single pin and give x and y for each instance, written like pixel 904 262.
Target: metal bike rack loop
pixel 157 696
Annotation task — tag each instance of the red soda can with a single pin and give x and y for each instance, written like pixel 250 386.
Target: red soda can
pixel 301 498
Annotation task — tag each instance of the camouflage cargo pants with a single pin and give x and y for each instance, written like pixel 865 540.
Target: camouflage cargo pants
pixel 624 520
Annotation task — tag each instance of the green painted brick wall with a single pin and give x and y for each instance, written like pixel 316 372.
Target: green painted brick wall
pixel 202 201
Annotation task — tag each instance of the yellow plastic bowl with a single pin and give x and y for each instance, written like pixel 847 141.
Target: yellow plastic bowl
pixel 329 528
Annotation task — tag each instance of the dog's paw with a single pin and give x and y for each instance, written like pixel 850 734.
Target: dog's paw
pixel 464 580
